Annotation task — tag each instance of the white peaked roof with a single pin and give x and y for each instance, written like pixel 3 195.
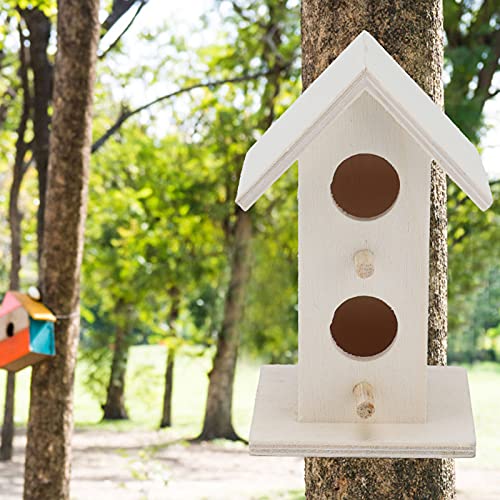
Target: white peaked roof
pixel 364 66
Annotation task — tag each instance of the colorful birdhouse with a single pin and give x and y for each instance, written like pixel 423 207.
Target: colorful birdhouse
pixel 365 135
pixel 26 332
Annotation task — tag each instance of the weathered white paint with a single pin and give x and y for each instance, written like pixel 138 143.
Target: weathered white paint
pixel 328 239
pixel 363 67
pixel 448 431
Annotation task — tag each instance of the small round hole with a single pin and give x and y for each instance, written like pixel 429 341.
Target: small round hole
pixel 10 330
pixel 364 326
pixel 365 186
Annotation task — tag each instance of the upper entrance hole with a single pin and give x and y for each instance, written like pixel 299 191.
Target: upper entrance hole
pixel 365 186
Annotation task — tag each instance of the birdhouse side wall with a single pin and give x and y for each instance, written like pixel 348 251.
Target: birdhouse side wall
pixel 42 339
pixel 328 241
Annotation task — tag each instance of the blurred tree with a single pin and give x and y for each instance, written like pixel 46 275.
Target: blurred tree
pixel 264 31
pixel 114 408
pixel 485 323
pixel 15 218
pixel 269 329
pixel 472 59
pixel 150 246
pixel 473 239
pixel 47 469
pixel 36 18
pixel 166 415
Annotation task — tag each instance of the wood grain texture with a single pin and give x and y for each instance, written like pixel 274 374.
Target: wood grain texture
pixel 448 431
pixel 327 241
pixel 412 32
pixel 365 400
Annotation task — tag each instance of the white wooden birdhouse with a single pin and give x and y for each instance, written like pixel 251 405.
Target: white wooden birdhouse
pixel 364 134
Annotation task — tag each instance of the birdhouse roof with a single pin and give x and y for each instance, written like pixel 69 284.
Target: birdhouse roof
pixel 364 66
pixel 36 310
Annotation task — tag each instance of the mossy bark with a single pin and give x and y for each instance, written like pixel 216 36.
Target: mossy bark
pixel 50 426
pixel 412 32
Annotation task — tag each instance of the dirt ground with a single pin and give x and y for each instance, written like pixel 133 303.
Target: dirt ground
pixel 154 465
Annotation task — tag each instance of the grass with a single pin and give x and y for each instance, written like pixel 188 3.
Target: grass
pixel 144 389
pixel 484 380
pixel 144 392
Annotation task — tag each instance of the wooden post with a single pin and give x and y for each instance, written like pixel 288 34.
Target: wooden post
pixel 365 402
pixel 364 263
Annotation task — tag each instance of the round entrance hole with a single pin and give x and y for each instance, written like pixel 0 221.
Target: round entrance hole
pixel 365 186
pixel 364 326
pixel 10 330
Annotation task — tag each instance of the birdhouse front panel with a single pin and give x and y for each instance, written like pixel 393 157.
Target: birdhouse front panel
pixel 26 332
pixel 363 268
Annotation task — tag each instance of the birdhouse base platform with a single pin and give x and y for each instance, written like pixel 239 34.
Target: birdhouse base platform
pixel 448 431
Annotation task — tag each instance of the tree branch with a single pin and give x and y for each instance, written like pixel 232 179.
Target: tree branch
pixel 118 10
pixel 494 93
pixel 489 69
pixel 120 36
pixel 126 114
pixel 239 10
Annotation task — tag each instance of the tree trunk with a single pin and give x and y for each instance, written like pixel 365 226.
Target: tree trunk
pixel 114 409
pixel 15 220
pixel 39 33
pixel 217 423
pixel 412 32
pixel 50 426
pixel 8 418
pixel 166 418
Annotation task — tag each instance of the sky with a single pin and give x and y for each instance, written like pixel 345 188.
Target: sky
pixel 185 13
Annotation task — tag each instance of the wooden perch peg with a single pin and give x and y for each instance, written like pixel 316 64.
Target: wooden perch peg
pixel 365 403
pixel 364 263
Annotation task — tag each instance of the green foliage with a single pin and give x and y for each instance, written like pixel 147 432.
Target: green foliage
pixel 472 53
pixel 472 61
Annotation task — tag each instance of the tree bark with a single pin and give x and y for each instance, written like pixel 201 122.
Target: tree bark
pixel 217 423
pixel 50 426
pixel 39 34
pixel 412 32
pixel 8 430
pixel 114 408
pixel 166 418
pixel 15 220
